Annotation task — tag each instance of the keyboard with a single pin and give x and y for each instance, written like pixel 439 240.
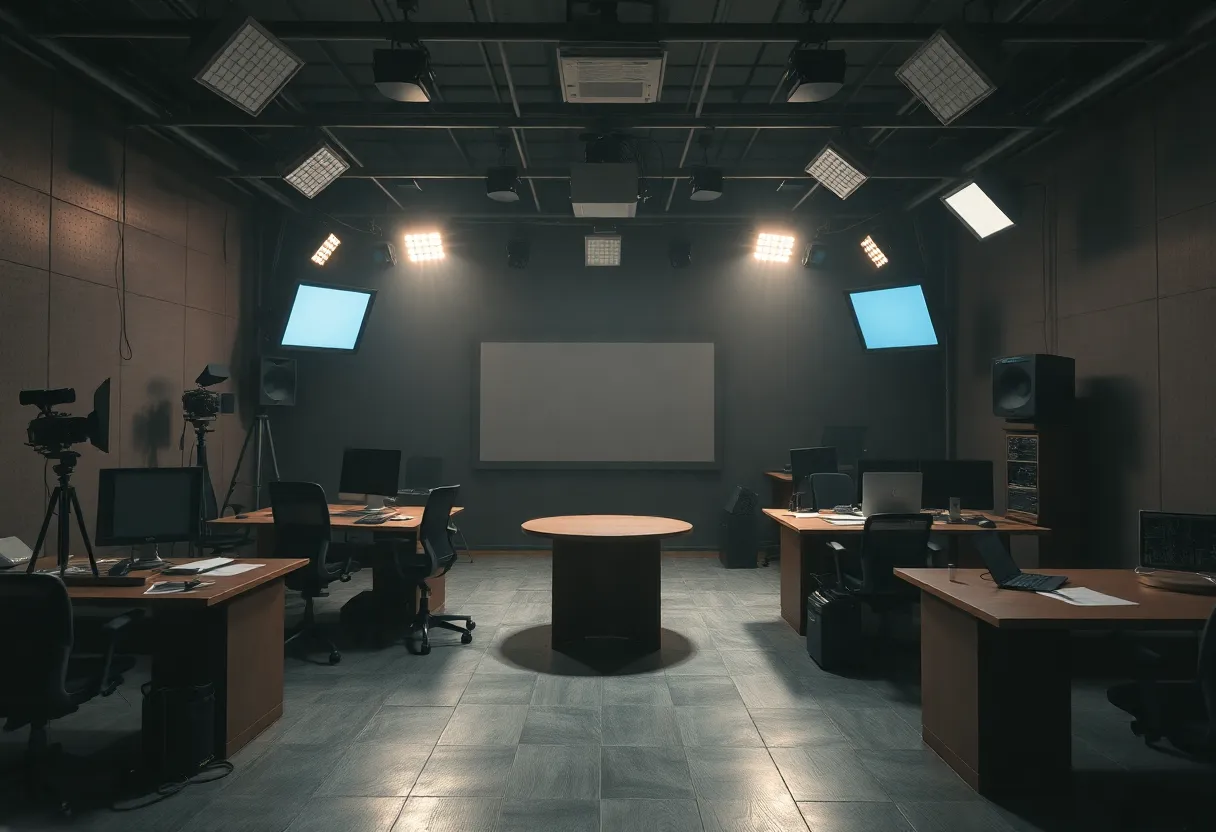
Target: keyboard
pixel 1028 581
pixel 846 510
pixel 374 519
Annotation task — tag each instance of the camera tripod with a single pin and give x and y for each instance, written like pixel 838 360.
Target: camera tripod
pixel 265 439
pixel 63 500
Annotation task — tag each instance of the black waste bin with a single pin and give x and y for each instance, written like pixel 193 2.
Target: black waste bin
pixel 833 629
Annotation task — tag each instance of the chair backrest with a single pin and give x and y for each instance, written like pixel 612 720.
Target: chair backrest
pixel 891 541
pixel 36 617
pixel 301 530
pixel 433 530
pixel 831 490
pixel 807 461
pixel 423 472
pixel 1206 672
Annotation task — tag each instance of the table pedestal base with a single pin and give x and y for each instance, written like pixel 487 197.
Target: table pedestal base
pixel 606 594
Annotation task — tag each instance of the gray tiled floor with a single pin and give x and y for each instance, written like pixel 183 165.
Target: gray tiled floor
pixel 742 734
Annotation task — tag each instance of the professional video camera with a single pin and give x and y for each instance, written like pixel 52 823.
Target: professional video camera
pixel 201 405
pixel 51 433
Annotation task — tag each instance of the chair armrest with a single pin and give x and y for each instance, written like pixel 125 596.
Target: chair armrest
pixel 112 631
pixel 934 547
pixel 837 550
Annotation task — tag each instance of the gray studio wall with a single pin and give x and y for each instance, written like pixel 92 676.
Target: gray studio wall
pixel 61 266
pixel 789 357
pixel 1130 237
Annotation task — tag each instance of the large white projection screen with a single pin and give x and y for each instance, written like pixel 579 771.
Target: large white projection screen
pixel 597 403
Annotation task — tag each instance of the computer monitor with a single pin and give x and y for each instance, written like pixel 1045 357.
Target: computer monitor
pixel 148 505
pixel 892 318
pixel 807 461
pixel 368 473
pixel 893 466
pixel 968 479
pixel 1182 542
pixel 327 318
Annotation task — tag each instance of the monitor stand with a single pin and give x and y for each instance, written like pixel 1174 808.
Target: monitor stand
pixel 371 502
pixel 143 559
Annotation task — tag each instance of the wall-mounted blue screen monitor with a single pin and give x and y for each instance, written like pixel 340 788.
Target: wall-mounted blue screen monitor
pixel 330 318
pixel 893 318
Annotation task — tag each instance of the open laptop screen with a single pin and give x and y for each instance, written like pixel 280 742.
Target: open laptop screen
pixel 1185 542
pixel 996 557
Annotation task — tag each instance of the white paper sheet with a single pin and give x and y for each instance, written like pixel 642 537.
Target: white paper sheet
pixel 169 587
pixel 849 521
pixel 1081 597
pixel 234 569
pixel 852 517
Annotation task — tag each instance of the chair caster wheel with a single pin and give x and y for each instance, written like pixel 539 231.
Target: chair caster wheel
pixel 335 657
pixel 472 625
pixel 466 638
pixel 425 649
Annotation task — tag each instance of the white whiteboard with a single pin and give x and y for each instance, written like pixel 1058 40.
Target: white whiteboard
pixel 587 403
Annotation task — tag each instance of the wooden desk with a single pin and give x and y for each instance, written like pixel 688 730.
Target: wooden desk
pixel 804 552
pixel 262 521
pixel 229 634
pixel 995 668
pixel 606 577
pixel 783 487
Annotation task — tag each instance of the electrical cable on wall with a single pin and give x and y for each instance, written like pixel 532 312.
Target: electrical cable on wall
pixel 125 352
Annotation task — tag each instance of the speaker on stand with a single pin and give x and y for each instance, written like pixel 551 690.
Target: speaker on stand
pixel 276 388
pixel 739 531
pixel 1035 394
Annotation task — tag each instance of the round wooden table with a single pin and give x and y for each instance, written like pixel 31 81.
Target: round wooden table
pixel 606 579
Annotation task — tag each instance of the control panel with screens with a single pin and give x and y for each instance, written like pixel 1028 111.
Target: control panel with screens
pixel 1183 542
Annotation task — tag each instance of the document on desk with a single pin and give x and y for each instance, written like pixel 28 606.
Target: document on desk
pixel 853 518
pixel 846 521
pixel 170 587
pixel 234 569
pixel 1082 597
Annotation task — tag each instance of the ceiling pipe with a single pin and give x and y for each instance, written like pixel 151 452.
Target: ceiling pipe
pixel 140 102
pixel 1073 101
pixel 541 32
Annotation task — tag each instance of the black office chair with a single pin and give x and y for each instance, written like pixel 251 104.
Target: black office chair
pixel 42 679
pixel 437 557
pixel 1181 711
pixel 888 542
pixel 423 473
pixel 301 530
pixel 831 490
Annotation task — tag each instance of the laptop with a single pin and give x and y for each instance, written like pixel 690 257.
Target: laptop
pixel 1005 572
pixel 890 492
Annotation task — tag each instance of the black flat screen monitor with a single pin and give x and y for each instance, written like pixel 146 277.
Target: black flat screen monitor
pixel 327 318
pixel 807 461
pixel 968 479
pixel 370 471
pixel 148 505
pixel 897 466
pixel 1184 542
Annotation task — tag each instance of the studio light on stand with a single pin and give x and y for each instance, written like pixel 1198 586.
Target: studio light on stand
pixel 52 434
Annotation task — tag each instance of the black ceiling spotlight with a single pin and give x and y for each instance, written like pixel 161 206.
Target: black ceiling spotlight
pixel 404 74
pixel 706 179
pixel 384 255
pixel 815 73
pixel 816 254
pixel 679 254
pixel 502 181
pixel 519 253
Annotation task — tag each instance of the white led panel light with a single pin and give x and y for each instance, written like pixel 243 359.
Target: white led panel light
pixel 602 249
pixel 775 248
pixel 977 210
pixel 944 78
pixel 835 173
pixel 327 248
pixel 421 248
pixel 250 69
pixel 874 252
pixel 318 169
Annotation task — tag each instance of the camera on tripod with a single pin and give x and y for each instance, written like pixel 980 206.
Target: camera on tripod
pixel 201 405
pixel 51 432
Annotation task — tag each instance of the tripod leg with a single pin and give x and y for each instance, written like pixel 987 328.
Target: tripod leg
pixel 274 459
pixel 257 463
pixel 65 527
pixel 46 524
pixel 84 534
pixel 236 471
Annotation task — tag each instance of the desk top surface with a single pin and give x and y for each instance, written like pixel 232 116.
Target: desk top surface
pixel 1004 608
pixel 784 476
pixel 264 517
pixel 606 525
pixel 817 525
pixel 222 588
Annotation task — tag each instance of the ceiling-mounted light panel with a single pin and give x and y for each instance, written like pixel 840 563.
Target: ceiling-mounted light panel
pixel 602 249
pixel 835 172
pixel 945 78
pixel 249 66
pixel 424 247
pixel 977 210
pixel 876 255
pixel 316 171
pixel 774 248
pixel 326 249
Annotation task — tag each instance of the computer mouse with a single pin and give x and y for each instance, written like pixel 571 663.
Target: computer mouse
pixel 119 569
pixel 986 524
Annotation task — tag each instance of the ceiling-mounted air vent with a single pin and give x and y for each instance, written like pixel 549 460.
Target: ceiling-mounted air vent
pixel 624 74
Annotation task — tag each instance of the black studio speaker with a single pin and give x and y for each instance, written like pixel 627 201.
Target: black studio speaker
pixel 739 534
pixel 1033 388
pixel 277 382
